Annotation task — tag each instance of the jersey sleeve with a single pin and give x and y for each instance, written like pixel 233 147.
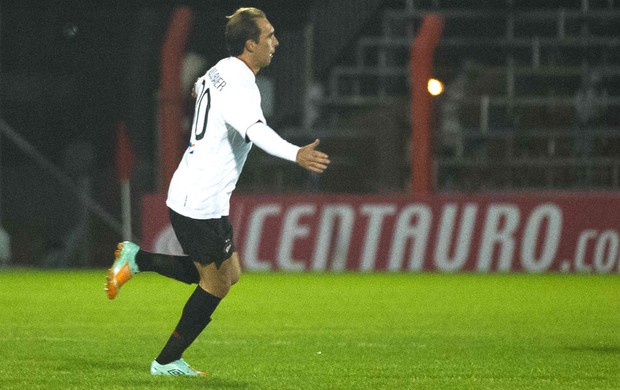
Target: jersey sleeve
pixel 242 108
pixel 267 139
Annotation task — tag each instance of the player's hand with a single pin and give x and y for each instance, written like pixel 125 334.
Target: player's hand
pixel 312 159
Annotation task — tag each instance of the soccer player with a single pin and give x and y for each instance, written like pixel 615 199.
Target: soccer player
pixel 228 119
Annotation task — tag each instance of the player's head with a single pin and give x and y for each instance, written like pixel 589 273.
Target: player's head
pixel 241 27
pixel 250 35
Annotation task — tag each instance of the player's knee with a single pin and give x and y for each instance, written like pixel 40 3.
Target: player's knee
pixel 234 270
pixel 223 289
pixel 235 275
pixel 234 278
pixel 218 287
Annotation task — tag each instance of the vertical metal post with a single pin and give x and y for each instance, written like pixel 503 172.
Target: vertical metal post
pixel 562 24
pixel 5 239
pixel 510 27
pixel 536 53
pixel 510 86
pixel 126 210
pixel 0 116
pixel 510 79
pixel 484 113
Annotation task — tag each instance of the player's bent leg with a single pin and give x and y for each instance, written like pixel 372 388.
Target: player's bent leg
pixel 123 269
pixel 217 281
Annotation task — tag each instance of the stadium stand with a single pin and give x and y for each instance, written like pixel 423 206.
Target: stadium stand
pixel 519 122
pixel 514 73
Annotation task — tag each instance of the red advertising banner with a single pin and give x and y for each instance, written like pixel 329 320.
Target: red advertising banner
pixel 512 232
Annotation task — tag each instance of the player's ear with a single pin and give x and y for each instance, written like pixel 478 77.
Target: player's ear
pixel 250 45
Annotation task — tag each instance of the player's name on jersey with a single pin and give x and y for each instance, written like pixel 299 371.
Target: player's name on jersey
pixel 218 81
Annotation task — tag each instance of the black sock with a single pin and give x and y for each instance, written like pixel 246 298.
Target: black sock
pixel 196 316
pixel 180 268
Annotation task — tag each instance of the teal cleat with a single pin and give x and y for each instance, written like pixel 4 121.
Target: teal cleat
pixel 123 269
pixel 175 368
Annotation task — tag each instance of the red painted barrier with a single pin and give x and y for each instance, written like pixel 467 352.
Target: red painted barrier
pixel 170 107
pixel 421 70
pixel 529 232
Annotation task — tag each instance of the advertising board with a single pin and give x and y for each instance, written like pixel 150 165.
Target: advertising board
pixel 512 232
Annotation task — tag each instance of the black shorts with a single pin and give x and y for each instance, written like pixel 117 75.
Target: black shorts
pixel 206 241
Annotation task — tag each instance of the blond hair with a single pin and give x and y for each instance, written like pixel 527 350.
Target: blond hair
pixel 240 27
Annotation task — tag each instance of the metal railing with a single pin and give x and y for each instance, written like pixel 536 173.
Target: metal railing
pixel 539 159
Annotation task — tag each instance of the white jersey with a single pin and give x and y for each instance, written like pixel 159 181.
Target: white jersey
pixel 228 102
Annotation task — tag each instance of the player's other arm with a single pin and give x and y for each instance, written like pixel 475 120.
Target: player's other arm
pixel 312 159
pixel 306 156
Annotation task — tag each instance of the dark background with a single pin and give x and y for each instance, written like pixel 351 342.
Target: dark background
pixel 66 65
pixel 70 72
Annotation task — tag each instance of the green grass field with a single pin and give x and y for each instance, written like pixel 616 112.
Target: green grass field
pixel 317 331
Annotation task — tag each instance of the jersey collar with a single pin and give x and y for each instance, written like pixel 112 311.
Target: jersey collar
pixel 243 65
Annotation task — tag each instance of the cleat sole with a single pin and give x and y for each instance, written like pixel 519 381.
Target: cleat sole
pixel 115 276
pixel 110 287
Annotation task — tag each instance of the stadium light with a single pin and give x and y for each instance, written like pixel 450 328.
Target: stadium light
pixel 435 87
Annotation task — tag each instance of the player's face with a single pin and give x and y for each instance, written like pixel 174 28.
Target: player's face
pixel 266 46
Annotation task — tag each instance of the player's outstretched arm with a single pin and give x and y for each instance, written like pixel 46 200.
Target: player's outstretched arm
pixel 306 156
pixel 311 159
